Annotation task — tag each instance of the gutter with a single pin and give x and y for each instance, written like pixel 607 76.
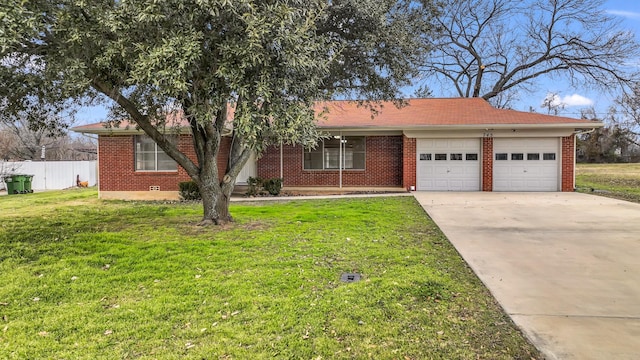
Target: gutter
pixel 373 127
pixel 482 127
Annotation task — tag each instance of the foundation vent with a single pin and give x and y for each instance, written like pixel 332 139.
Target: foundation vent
pixel 154 188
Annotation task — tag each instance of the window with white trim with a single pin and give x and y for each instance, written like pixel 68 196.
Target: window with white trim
pixel 150 157
pixel 326 156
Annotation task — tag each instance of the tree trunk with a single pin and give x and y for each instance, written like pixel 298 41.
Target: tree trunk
pixel 215 193
pixel 216 205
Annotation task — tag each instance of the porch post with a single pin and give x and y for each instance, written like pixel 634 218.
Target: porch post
pixel 340 159
pixel 281 163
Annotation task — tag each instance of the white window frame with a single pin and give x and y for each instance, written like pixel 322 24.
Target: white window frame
pixel 157 152
pixel 331 156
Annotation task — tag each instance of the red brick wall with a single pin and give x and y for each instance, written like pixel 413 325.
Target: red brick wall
pixel 487 164
pixel 568 162
pixel 117 165
pixel 409 162
pixel 383 166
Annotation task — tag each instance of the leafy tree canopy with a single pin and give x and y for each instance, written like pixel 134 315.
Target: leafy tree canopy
pixel 270 59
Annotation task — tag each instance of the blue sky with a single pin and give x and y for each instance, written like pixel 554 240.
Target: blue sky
pixel 577 98
pixel 574 98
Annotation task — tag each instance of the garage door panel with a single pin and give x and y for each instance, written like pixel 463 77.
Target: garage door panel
pixel 532 172
pixel 456 185
pixel 451 171
pixel 458 171
pixel 438 170
pixel 500 173
pixel 441 144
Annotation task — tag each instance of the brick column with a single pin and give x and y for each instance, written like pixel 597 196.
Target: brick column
pixel 487 164
pixel 408 162
pixel 568 162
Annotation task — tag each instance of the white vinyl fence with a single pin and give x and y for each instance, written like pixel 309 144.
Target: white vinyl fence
pixel 51 175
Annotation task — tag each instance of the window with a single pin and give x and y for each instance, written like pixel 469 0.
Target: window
pixel 533 156
pixel 517 156
pixel 326 156
pixel 425 156
pixel 456 157
pixel 501 156
pixel 439 157
pixel 149 157
pixel 549 156
pixel 472 157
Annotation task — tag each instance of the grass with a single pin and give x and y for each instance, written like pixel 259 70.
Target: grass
pixel 89 279
pixel 621 181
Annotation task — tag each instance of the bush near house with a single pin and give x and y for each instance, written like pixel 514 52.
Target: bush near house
pixel 258 186
pixel 189 190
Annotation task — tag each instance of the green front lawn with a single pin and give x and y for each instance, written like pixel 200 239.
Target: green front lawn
pixel 620 181
pixel 88 279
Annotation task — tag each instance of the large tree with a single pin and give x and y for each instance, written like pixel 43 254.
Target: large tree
pixel 615 142
pixel 496 48
pixel 267 60
pixel 19 140
pixel 628 109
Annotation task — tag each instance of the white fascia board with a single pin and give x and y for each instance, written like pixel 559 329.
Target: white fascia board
pixel 481 127
pixel 518 130
pixel 361 132
pixel 490 133
pixel 113 131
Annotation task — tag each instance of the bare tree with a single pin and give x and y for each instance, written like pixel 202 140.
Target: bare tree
pixel 628 108
pixel 552 103
pixel 613 143
pixel 25 144
pixel 489 47
pixel 20 140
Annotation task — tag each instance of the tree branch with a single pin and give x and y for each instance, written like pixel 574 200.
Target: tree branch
pixel 143 121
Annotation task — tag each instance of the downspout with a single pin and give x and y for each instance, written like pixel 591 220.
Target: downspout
pixel 575 157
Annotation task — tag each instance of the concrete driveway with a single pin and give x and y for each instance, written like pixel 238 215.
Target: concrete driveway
pixel 564 266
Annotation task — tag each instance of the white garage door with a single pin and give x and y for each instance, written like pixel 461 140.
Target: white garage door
pixel 448 164
pixel 525 164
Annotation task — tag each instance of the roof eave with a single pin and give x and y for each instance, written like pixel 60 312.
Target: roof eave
pixel 184 130
pixel 577 126
pixel 187 130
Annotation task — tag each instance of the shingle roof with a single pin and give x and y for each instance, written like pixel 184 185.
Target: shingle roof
pixel 418 113
pixel 430 112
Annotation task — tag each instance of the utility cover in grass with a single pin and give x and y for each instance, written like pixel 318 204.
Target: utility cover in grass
pixel 350 277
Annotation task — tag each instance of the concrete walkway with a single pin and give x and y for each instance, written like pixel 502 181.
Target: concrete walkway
pixel 313 197
pixel 564 266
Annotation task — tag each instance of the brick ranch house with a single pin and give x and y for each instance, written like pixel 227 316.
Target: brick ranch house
pixel 456 144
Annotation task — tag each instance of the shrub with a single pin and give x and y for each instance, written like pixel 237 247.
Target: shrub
pixel 189 191
pixel 258 186
pixel 273 186
pixel 254 186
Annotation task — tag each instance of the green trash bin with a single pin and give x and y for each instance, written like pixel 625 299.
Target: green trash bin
pixel 18 184
pixel 14 184
pixel 27 183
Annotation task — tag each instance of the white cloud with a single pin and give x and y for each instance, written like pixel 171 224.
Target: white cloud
pixel 623 13
pixel 576 100
pixel 554 100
